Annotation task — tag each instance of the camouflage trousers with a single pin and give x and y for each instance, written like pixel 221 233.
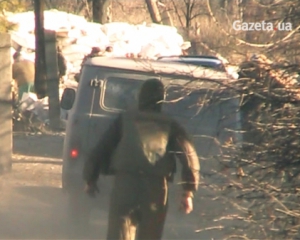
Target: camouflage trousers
pixel 138 207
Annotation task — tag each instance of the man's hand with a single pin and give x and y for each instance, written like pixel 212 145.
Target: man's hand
pixel 91 189
pixel 186 203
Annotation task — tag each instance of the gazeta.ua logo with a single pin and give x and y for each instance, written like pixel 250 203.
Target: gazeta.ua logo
pixel 261 26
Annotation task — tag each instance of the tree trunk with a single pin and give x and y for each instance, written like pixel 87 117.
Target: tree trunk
pixel 40 83
pixel 5 103
pixel 52 80
pixel 154 11
pixel 101 11
pixel 188 15
pixel 166 17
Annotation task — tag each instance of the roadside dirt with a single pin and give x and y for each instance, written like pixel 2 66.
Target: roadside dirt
pixel 33 205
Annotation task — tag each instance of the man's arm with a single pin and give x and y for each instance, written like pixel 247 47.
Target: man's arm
pixel 100 156
pixel 186 153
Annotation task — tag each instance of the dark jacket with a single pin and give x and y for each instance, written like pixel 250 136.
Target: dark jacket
pixel 23 72
pixel 62 64
pixel 146 143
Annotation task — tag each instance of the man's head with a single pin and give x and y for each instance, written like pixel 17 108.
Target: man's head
pixel 17 56
pixel 151 95
pixel 58 48
pixel 109 49
pixel 95 50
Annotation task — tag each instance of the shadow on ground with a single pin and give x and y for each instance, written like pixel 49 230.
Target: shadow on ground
pixel 33 206
pixel 38 145
pixel 40 213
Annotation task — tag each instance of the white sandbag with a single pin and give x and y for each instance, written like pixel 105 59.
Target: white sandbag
pixel 75 33
pixel 23 39
pixel 93 29
pixel 27 101
pixel 25 21
pixel 148 34
pixel 76 21
pixel 118 31
pixel 113 27
pixel 134 46
pixel 171 51
pixel 54 20
pixel 120 49
pixel 186 45
pixel 171 39
pixel 144 35
pixel 152 50
pixel 162 28
pixel 74 57
pixel 87 41
pixel 75 49
pixel 30 102
pixel 28 56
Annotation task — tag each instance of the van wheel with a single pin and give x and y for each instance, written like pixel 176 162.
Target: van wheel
pixel 79 210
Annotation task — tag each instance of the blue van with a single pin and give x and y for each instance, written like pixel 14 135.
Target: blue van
pixel 196 97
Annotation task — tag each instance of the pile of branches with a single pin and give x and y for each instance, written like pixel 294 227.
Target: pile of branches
pixel 264 180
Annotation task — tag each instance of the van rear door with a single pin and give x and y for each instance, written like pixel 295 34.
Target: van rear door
pixel 118 92
pixel 211 116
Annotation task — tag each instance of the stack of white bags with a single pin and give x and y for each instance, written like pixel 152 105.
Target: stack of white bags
pixel 78 36
pixel 146 40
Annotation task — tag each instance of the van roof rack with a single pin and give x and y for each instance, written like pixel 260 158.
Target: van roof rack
pixel 198 60
pixel 189 56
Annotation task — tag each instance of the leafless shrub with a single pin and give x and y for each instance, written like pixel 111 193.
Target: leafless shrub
pixel 261 176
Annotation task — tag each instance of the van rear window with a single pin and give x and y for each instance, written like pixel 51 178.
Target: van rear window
pixel 182 102
pixel 121 93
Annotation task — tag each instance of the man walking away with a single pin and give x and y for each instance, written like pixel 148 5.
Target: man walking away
pixel 140 149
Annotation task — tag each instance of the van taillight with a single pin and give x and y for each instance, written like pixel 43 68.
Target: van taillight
pixel 74 153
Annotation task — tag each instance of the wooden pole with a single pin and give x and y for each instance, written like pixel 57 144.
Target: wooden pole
pixel 52 79
pixel 154 11
pixel 5 103
pixel 40 83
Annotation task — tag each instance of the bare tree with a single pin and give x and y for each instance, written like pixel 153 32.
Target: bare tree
pixel 101 11
pixel 154 11
pixel 261 175
pixel 187 11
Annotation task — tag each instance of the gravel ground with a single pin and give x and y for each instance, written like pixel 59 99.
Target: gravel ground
pixel 33 205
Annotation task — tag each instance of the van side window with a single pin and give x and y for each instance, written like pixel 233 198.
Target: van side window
pixel 120 93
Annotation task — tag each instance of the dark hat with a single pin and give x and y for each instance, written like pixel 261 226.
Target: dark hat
pixel 95 50
pixel 151 95
pixel 109 49
pixel 16 55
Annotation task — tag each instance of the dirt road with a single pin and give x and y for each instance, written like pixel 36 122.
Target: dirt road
pixel 33 206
